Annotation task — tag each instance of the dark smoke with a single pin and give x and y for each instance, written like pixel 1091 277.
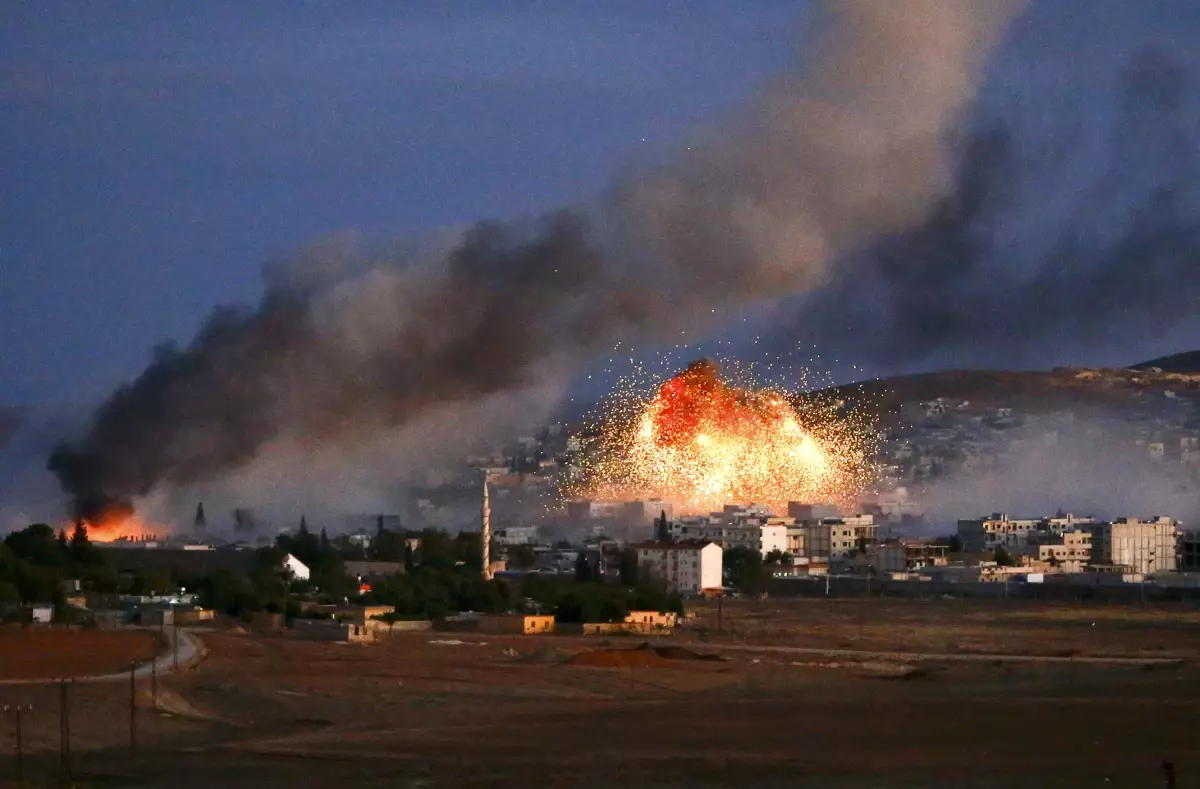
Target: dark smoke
pixel 1119 267
pixel 823 162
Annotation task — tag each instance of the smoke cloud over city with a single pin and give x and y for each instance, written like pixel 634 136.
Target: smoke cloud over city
pixel 852 147
pixel 1074 241
pixel 1094 467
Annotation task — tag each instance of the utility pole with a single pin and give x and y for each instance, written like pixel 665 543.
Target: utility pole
pixel 15 711
pixel 175 638
pixel 154 678
pixel 64 733
pixel 132 706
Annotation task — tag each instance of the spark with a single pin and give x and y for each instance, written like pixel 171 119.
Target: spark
pixel 701 440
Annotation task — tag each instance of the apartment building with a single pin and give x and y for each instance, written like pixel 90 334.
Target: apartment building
pixel 736 527
pixel 689 567
pixel 837 538
pixel 1139 546
pixel 981 535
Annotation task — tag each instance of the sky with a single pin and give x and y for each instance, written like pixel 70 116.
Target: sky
pixel 157 155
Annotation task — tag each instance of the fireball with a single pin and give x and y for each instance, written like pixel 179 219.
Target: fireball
pixel 700 443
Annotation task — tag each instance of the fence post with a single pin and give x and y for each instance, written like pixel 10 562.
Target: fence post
pixel 64 721
pixel 15 710
pixel 133 706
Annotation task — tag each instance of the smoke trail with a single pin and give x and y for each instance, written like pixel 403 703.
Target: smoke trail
pixel 1032 251
pixel 824 161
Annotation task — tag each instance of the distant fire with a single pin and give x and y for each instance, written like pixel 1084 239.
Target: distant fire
pixel 701 442
pixel 116 523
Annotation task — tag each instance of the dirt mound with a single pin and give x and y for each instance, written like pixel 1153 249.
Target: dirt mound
pixel 681 653
pixel 171 703
pixel 620 658
pixel 542 656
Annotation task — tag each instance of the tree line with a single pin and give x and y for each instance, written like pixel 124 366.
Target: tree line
pixel 440 576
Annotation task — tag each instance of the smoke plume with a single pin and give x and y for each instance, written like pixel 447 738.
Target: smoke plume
pixel 1086 238
pixel 825 160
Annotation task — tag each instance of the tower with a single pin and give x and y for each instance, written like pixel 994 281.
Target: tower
pixel 485 531
pixel 200 522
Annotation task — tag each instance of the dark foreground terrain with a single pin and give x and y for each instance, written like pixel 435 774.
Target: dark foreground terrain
pixel 441 710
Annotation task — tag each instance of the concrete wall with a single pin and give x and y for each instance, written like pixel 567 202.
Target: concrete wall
pixel 517 624
pixel 325 630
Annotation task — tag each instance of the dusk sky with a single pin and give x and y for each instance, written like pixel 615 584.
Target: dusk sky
pixel 156 157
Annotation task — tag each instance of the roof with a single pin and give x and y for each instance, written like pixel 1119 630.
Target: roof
pixel 681 545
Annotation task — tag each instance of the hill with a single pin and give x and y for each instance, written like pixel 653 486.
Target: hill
pixel 1064 388
pixel 1186 362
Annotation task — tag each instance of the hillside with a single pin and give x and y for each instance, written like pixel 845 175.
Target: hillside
pixel 1026 391
pixel 1186 362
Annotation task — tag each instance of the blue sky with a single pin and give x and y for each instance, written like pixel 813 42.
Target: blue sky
pixel 156 155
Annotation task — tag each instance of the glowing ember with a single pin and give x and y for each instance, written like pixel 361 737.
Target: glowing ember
pixel 701 443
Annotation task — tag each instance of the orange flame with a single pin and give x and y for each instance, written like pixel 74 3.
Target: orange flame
pixel 118 524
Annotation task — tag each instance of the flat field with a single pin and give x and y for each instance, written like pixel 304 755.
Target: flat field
pixel 449 710
pixel 52 652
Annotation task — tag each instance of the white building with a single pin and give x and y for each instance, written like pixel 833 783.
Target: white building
pixel 688 567
pixel 295 567
pixel 1141 546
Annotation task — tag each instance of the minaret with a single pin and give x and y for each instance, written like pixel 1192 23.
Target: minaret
pixel 485 531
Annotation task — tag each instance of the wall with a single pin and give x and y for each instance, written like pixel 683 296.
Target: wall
pixel 325 630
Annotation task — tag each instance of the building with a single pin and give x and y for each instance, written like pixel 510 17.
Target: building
pixel 1187 553
pixel 298 569
pixel 689 567
pixel 328 630
pixel 837 538
pixel 1066 522
pixel 1141 547
pixel 658 620
pixel 1071 553
pixel 517 624
pixel 516 535
pixel 982 535
pixel 736 527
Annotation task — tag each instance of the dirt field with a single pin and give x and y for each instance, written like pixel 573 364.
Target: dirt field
pixel 52 653
pixel 476 711
pixel 982 626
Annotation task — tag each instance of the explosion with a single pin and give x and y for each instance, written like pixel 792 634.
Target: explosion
pixel 700 443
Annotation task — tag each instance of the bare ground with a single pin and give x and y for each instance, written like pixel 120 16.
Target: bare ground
pixel 513 711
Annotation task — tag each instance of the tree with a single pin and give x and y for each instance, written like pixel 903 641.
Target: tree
pixel 778 557
pixel 324 546
pixel 81 550
pixel 583 569
pixel 746 570
pixel 662 528
pixel 522 557
pixel 1003 558
pixel 628 567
